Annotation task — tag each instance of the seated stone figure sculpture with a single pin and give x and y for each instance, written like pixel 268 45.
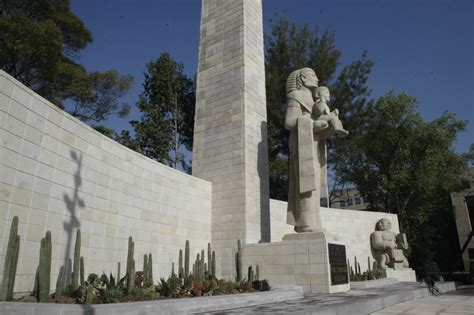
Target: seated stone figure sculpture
pixel 321 111
pixel 387 247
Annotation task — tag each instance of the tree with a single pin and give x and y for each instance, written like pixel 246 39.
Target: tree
pixel 167 106
pixel 96 96
pixel 39 40
pixel 288 48
pixel 407 166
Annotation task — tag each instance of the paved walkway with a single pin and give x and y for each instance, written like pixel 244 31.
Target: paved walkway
pixel 456 302
pixel 367 300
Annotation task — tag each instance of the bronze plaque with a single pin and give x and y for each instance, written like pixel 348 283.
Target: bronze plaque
pixel 338 264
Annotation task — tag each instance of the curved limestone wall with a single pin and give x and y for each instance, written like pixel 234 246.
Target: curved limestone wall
pixel 58 174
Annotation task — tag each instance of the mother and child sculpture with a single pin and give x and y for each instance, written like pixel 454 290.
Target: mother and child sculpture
pixel 310 122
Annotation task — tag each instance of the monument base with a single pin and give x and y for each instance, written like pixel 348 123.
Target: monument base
pixel 403 275
pixel 316 261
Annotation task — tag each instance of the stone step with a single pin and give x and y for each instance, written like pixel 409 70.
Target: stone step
pixel 373 283
pixel 170 306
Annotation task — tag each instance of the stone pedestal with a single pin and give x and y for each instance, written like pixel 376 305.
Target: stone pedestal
pixel 301 259
pixel 403 275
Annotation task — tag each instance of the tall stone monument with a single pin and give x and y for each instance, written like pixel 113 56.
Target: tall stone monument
pixel 230 140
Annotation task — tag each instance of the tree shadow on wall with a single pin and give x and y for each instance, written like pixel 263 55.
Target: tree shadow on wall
pixel 262 168
pixel 72 204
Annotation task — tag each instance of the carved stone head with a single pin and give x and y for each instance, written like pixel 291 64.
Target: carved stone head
pixel 324 94
pixel 302 77
pixel 383 225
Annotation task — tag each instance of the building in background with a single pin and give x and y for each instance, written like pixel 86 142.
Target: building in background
pixel 463 204
pixel 349 198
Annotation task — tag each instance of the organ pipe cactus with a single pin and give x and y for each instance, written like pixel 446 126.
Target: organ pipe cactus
pixel 145 267
pixel 60 282
pixel 118 271
pixel 36 285
pixel 203 266
pixel 209 258
pixel 213 264
pixel 250 274
pixel 180 264
pixel 197 264
pixel 44 274
pixel 130 266
pixel 77 258
pixel 186 259
pixel 238 262
pixel 11 261
pixel 150 270
pixel 147 270
pixel 81 271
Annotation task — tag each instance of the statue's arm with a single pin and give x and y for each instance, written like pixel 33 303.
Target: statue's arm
pixel 379 244
pixel 292 113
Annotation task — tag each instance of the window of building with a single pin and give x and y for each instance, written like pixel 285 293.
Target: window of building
pixel 350 202
pixel 358 201
pixel 343 203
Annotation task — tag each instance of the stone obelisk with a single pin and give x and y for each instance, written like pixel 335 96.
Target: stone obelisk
pixel 230 130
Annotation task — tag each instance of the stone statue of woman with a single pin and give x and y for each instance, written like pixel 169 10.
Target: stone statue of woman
pixel 307 146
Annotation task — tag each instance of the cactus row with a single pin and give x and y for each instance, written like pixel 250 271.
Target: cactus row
pixel 11 261
pixel 43 273
pixel 200 267
pixel 356 269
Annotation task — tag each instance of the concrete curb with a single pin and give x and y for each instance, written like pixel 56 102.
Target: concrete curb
pixel 171 306
pixel 373 283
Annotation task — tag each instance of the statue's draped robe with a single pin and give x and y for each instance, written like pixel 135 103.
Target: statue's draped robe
pixel 307 165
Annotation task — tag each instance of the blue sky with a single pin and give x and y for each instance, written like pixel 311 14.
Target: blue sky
pixel 422 47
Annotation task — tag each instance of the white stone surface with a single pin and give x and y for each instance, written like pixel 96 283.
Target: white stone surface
pixel 352 227
pixel 402 275
pixel 230 142
pixel 58 174
pixel 357 285
pixel 300 259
